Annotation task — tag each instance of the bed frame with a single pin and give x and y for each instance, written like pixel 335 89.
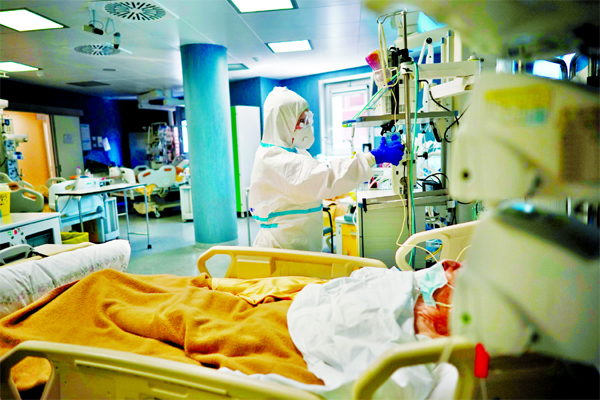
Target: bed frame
pixel 95 373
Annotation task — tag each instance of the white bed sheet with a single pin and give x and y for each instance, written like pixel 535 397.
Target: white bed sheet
pixel 342 326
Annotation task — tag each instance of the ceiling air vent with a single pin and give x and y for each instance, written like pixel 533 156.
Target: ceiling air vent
pixel 87 83
pixel 97 50
pixel 135 10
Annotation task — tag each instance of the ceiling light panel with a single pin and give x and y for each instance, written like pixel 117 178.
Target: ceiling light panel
pixel 288 47
pixel 11 66
pixel 236 67
pixel 249 6
pixel 24 20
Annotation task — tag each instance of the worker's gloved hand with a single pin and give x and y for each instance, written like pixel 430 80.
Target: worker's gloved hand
pixel 389 154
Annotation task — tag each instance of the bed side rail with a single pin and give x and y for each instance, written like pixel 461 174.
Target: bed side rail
pixel 255 262
pixel 462 356
pixel 93 373
pixel 454 239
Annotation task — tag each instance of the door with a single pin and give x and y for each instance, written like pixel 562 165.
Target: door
pixel 37 164
pixel 67 139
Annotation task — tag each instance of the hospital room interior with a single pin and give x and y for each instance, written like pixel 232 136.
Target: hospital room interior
pixel 308 199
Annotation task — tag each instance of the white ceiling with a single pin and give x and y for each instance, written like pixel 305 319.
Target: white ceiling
pixel 342 33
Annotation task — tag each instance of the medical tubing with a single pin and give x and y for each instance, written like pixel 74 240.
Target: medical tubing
pixel 375 98
pixel 410 165
pixel 462 251
pixel 383 51
pixel 409 141
pixel 414 246
pixel 414 135
pixel 403 223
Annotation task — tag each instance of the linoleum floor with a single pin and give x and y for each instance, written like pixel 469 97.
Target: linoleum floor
pixel 172 241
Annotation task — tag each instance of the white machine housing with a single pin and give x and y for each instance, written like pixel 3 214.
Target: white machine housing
pixel 525 136
pixel 522 293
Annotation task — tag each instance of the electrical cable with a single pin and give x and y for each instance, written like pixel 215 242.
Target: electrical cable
pixel 454 122
pixel 436 174
pixel 108 21
pixel 66 204
pixel 35 253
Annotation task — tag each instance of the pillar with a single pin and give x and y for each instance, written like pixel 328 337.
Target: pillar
pixel 207 110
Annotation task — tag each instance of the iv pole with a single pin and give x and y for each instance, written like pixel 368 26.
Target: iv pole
pixel 407 126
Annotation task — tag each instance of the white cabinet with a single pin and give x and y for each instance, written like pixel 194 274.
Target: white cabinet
pixel 185 196
pixel 245 126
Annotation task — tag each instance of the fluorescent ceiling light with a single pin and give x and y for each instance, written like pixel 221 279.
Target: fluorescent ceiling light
pixel 248 6
pixel 236 67
pixel 287 47
pixel 11 66
pixel 25 20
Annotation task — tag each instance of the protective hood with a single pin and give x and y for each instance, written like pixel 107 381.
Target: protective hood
pixel 282 110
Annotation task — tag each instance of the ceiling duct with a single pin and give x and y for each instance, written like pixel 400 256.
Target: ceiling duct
pixel 97 50
pixel 88 84
pixel 135 10
pixel 159 100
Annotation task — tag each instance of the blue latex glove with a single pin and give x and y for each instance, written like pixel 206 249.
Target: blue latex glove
pixel 389 154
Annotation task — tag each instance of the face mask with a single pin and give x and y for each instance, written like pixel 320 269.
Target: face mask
pixel 304 138
pixel 432 279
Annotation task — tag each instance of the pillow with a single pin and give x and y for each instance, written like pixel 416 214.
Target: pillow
pixel 22 284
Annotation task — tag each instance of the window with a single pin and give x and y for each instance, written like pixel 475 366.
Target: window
pixel 341 99
pixel 562 67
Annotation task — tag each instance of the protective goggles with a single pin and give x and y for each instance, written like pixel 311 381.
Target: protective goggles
pixel 306 120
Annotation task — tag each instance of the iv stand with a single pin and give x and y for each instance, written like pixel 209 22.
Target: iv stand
pixel 407 128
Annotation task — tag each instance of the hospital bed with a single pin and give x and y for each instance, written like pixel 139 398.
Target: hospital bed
pixel 163 184
pixel 102 373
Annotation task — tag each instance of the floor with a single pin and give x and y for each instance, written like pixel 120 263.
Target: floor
pixel 173 250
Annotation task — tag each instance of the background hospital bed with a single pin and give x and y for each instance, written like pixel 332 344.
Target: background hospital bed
pixel 81 371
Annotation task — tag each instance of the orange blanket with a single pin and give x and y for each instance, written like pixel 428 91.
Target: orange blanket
pixel 177 318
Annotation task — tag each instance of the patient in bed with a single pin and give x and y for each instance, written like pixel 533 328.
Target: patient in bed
pixel 236 325
pixel 433 321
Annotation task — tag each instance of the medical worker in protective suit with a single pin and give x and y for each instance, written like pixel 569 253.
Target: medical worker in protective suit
pixel 288 186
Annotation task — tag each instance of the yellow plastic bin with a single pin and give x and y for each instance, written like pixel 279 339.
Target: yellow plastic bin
pixel 74 237
pixel 4 200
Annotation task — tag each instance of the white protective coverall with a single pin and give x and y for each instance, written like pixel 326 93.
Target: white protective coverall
pixel 288 186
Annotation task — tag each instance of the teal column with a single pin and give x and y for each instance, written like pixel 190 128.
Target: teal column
pixel 208 115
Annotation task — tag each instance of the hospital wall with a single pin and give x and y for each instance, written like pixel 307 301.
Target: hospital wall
pixel 100 113
pixel 135 120
pixel 253 92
